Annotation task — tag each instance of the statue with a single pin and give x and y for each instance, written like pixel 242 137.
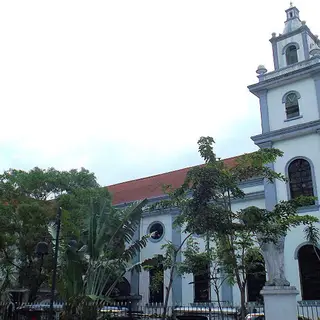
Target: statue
pixel 273 254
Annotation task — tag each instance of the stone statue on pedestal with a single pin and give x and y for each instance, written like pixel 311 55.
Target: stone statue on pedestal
pixel 273 254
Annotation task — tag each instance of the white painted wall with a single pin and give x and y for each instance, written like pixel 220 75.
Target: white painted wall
pixel 281 44
pixel 307 146
pixel 188 289
pixel 307 103
pixel 310 41
pixel 153 248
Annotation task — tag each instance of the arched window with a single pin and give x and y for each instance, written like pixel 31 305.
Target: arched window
pixel 256 278
pixel 300 178
pixel 202 285
pixel 156 287
pixel 291 55
pixel 309 266
pixel 292 105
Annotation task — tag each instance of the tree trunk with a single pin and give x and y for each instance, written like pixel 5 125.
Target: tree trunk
pixel 168 290
pixel 216 289
pixel 243 302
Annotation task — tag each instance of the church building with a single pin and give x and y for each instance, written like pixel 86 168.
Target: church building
pixel 289 98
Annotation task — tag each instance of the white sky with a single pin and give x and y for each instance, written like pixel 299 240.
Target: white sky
pixel 126 88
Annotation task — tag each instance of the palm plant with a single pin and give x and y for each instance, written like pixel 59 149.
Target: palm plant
pixel 91 267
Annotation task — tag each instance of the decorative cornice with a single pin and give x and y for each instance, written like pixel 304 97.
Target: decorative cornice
pixel 293 33
pixel 176 211
pixel 307 209
pixel 265 145
pixel 300 70
pixel 287 133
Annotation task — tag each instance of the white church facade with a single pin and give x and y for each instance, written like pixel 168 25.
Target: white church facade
pixel 289 98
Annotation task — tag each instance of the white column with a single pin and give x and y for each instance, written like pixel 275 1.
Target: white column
pixel 280 302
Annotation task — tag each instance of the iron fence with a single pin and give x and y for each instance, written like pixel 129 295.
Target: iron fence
pixel 309 310
pixel 127 311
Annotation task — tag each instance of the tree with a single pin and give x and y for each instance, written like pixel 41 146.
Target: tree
pixel 170 262
pixel 28 202
pixel 208 212
pixel 92 265
pixel 196 262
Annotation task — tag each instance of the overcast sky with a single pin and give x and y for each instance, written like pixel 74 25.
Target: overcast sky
pixel 126 88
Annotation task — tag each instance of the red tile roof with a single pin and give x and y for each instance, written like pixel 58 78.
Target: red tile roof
pixel 150 187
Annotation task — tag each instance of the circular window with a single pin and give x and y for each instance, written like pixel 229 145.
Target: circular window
pixel 156 230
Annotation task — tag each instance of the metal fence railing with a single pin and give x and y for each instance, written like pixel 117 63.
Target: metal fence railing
pixel 309 310
pixel 125 311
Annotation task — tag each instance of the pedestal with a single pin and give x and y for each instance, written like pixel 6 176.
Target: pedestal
pixel 280 302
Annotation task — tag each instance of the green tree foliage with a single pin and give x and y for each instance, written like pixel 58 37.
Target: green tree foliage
pixel 92 265
pixel 28 202
pixel 196 262
pixel 208 212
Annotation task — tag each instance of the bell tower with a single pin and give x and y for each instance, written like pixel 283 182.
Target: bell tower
pixel 289 98
pixel 290 94
pixel 294 43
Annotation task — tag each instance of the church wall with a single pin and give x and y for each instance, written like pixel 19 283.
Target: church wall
pixel 293 240
pixel 307 103
pixel 153 248
pixel 307 147
pixel 188 289
pixel 280 45
pixel 310 41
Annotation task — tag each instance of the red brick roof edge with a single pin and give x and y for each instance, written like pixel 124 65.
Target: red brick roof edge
pixel 150 187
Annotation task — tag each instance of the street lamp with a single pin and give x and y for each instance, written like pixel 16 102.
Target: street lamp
pixel 55 262
pixel 42 249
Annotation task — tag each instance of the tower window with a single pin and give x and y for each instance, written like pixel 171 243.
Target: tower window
pixel 292 105
pixel 291 55
pixel 300 179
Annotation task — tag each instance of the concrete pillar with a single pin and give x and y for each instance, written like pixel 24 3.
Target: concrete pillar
pixel 280 302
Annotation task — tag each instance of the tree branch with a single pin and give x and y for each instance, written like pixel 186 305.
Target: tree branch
pixel 9 260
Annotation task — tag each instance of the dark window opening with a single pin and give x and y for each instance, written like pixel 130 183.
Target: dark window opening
pixel 309 265
pixel 156 230
pixel 202 286
pixel 156 287
pixel 300 179
pixel 291 55
pixel 292 106
pixel 256 278
pixel 291 15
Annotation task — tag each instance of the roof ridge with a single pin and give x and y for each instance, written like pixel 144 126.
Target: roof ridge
pixel 167 172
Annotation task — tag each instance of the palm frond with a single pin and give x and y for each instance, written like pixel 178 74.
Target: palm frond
pixel 312 234
pixel 134 248
pixel 92 232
